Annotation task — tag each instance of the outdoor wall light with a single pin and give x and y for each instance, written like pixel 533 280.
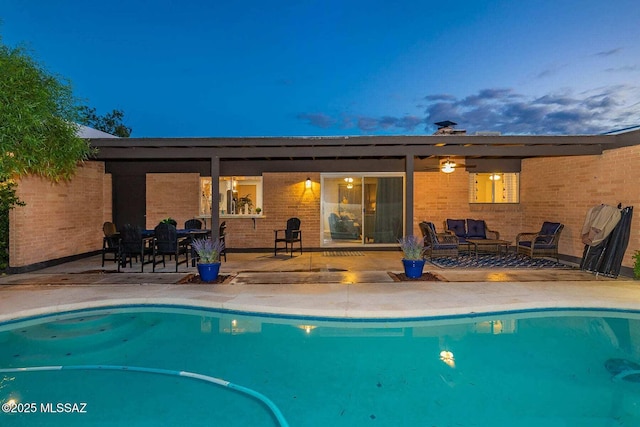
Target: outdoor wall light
pixel 307 183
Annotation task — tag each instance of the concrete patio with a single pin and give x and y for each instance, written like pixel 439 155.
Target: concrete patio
pixel 324 284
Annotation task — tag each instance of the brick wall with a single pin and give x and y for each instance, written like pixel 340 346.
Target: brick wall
pixel 556 189
pixel 174 195
pixel 438 196
pixel 284 196
pixel 564 188
pixel 560 189
pixel 60 219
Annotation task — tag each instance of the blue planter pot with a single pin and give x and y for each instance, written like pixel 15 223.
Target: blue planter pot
pixel 413 267
pixel 209 272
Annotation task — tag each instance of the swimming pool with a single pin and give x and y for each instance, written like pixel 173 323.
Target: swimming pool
pixel 526 369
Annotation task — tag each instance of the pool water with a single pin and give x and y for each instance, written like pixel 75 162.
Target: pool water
pixel 527 369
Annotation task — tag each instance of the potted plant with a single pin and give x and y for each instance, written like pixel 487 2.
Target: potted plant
pixel 245 204
pixel 636 265
pixel 169 220
pixel 258 210
pixel 208 258
pixel 413 261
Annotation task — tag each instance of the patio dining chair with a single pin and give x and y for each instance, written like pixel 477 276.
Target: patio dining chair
pixel 133 244
pixel 221 237
pixel 289 236
pixel 438 244
pixel 167 243
pixel 110 242
pixel 193 224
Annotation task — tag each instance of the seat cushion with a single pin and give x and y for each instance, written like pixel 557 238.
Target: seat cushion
pixel 457 226
pixel 445 246
pixel 476 229
pixel 548 230
pixel 538 245
pixel 549 227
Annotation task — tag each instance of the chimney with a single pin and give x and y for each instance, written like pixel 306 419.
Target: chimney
pixel 446 128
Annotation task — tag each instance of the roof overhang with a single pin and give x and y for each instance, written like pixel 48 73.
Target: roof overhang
pixel 358 147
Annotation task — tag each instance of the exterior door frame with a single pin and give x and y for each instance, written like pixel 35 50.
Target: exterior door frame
pixel 361 176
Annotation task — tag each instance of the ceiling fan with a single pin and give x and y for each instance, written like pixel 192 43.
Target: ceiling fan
pixel 448 165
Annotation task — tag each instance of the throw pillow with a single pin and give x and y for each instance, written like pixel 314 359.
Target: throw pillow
pixel 476 229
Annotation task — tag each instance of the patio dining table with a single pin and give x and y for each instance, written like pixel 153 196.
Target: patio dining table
pixel 182 232
pixel 191 233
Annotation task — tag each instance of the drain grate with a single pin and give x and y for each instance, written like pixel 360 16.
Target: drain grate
pixel 343 253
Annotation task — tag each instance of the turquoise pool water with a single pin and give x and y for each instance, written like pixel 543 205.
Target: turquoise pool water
pixel 527 369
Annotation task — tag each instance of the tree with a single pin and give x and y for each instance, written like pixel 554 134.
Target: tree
pixel 37 120
pixel 110 123
pixel 38 130
pixel 8 200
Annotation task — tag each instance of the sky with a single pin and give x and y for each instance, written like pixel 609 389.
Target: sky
pixel 341 67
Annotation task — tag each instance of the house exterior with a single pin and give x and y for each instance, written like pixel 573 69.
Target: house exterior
pixel 396 182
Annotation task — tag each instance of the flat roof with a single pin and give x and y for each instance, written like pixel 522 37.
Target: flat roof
pixel 474 146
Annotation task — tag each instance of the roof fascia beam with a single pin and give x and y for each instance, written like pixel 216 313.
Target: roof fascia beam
pixel 106 153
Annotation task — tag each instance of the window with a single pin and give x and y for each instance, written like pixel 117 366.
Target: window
pixel 494 188
pixel 237 195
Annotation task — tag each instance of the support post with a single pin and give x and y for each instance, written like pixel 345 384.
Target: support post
pixel 215 196
pixel 408 217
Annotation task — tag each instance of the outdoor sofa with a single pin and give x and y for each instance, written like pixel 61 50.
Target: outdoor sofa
pixel 470 229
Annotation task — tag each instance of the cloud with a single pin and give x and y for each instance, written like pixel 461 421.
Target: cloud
pixel 609 52
pixel 317 119
pixel 506 111
pixel 385 124
pixel 440 97
pixel 284 82
pixel 623 69
pixel 551 71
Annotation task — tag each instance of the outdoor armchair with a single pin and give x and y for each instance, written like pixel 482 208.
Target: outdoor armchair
pixel 543 243
pixel 438 244
pixel 289 236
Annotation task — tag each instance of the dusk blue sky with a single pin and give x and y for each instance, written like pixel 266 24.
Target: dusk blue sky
pixel 340 67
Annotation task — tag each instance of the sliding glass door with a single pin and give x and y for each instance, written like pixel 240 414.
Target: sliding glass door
pixel 362 209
